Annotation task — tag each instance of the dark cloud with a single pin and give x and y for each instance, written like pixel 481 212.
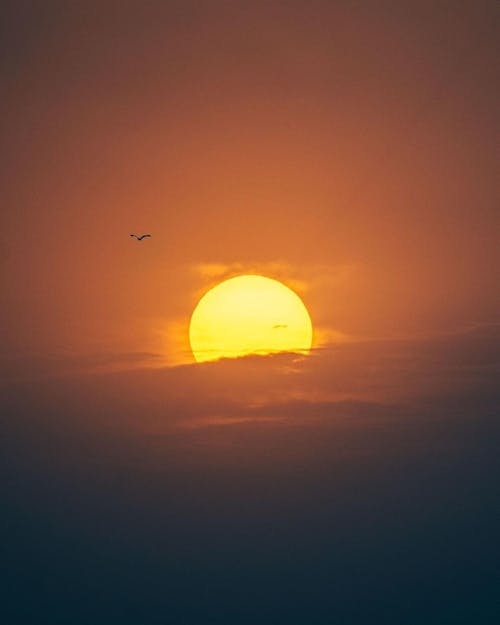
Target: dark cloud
pixel 190 495
pixel 347 378
pixel 26 367
pixel 195 495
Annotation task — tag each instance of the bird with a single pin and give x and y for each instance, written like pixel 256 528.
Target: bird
pixel 280 326
pixel 143 236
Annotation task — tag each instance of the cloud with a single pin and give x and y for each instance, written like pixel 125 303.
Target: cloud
pixel 303 278
pixel 376 447
pixel 282 271
pixel 310 280
pixel 371 380
pixel 42 366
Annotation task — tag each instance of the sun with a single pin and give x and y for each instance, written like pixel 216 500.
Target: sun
pixel 249 314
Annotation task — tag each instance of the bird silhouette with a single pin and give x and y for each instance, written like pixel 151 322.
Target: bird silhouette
pixel 143 236
pixel 280 326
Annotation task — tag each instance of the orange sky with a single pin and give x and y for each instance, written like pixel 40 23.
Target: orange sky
pixel 344 147
pixel 346 150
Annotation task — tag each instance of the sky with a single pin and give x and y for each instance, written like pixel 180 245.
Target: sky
pixel 346 149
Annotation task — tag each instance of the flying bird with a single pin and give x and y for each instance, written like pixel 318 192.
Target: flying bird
pixel 280 326
pixel 143 236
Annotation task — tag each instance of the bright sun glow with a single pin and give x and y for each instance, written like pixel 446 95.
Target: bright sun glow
pixel 249 315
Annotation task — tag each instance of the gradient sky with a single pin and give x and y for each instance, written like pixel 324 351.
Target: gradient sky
pixel 348 149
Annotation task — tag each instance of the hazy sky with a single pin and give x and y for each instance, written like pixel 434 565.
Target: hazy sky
pixel 348 146
pixel 348 149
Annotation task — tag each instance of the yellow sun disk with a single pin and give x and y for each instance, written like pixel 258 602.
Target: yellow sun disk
pixel 249 314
